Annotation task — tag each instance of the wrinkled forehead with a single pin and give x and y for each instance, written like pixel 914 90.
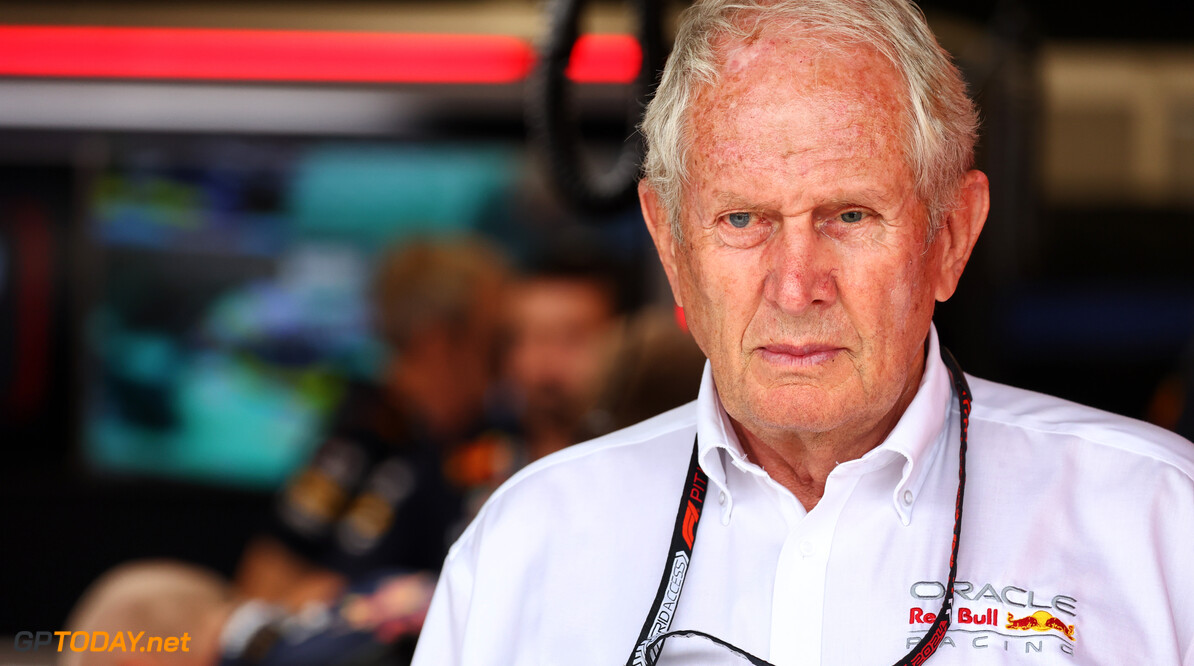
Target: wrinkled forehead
pixel 847 98
pixel 749 28
pixel 772 64
pixel 831 53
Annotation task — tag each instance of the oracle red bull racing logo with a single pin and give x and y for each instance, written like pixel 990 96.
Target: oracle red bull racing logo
pixel 1007 618
pixel 1040 621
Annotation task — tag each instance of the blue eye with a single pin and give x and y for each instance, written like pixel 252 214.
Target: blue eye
pixel 739 220
pixel 852 216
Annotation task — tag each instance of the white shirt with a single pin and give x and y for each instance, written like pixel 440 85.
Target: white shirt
pixel 1070 514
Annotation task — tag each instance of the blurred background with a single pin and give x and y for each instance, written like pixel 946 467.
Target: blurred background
pixel 192 207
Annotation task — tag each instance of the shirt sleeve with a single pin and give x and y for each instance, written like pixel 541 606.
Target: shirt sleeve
pixel 441 642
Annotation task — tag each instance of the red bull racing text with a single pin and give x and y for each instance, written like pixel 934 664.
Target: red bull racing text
pixel 1008 618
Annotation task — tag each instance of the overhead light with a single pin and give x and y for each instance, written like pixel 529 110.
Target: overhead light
pixel 175 54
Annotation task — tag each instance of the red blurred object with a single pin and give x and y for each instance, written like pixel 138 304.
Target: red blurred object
pixel 680 320
pixel 289 55
pixel 604 59
pixel 30 282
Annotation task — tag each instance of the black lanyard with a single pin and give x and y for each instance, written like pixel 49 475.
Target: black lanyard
pixel 655 629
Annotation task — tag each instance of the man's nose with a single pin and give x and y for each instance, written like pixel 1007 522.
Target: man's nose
pixel 801 267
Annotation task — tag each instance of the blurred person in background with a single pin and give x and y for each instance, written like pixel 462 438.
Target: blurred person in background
pixel 345 573
pixel 387 488
pixel 654 370
pixel 578 364
pixel 563 322
pixel 170 613
pixel 156 598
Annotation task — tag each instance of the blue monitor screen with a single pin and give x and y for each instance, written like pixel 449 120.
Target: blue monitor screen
pixel 231 311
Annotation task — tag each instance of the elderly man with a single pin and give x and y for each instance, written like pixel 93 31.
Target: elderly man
pixel 839 492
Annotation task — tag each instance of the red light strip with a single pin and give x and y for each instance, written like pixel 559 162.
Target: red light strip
pixel 604 59
pixel 298 56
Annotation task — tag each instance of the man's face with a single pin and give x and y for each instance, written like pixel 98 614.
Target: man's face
pixel 559 346
pixel 804 270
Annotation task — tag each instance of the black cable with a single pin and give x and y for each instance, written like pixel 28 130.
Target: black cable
pixel 552 120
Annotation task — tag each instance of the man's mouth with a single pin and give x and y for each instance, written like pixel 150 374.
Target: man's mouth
pixel 799 355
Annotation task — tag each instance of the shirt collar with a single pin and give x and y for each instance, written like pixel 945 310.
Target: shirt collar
pixel 915 439
pixel 717 443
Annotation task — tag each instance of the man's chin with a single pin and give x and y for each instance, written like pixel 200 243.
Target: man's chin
pixel 783 383
pixel 798 407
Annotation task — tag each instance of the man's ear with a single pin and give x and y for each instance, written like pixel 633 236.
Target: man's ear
pixel 960 231
pixel 660 227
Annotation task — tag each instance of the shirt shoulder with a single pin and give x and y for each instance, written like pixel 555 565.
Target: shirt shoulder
pixel 635 456
pixel 1044 417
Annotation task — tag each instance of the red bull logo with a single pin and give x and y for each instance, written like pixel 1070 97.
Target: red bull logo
pixel 1040 621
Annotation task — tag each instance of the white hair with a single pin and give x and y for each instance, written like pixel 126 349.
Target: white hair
pixel 940 119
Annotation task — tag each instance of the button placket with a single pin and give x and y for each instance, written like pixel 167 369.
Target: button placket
pixel 798 605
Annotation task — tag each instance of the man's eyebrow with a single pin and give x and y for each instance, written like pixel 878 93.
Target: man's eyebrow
pixel 854 194
pixel 845 197
pixel 733 200
pixel 867 198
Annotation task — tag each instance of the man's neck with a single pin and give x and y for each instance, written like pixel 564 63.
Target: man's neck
pixel 802 462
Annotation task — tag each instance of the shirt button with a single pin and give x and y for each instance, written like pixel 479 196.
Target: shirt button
pixel 908 497
pixel 807 548
pixel 721 497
